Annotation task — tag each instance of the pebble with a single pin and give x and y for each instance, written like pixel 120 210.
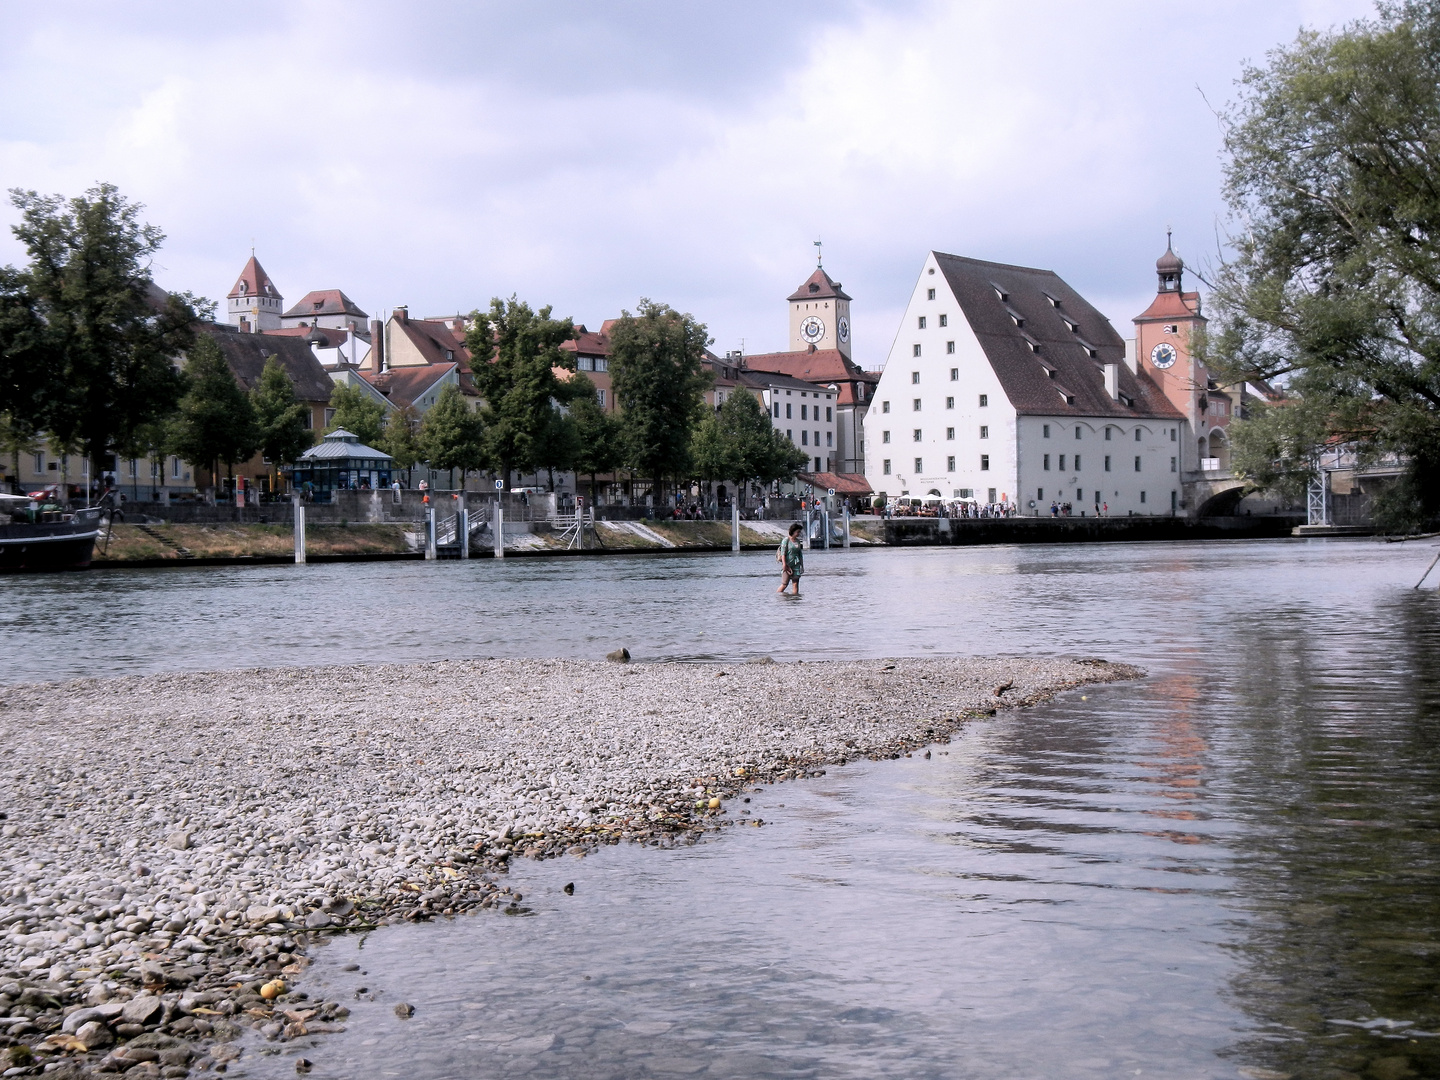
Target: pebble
pixel 235 817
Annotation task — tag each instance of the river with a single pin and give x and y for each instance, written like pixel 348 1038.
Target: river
pixel 1230 869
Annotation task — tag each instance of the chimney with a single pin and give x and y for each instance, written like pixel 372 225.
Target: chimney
pixel 403 313
pixel 377 345
pixel 1131 352
pixel 244 325
pixel 1112 381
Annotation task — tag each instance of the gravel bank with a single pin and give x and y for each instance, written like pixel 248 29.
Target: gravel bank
pixel 172 844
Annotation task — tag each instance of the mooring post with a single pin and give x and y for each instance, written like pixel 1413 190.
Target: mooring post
pixel 462 527
pixel 430 533
pixel 845 517
pixel 734 524
pixel 299 530
pixel 499 530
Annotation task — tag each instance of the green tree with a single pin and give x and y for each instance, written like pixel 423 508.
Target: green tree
pixel 738 442
pixel 1334 286
pixel 657 369
pixel 27 378
pixel 358 413
pixel 110 335
pixel 402 438
pixel 599 443
pixel 280 416
pixel 452 435
pixel 515 352
pixel 216 421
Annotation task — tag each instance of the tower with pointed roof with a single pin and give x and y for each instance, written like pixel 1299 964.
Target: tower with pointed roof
pixel 254 303
pixel 1163 334
pixel 820 315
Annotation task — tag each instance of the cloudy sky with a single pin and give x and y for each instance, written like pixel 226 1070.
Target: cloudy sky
pixel 585 153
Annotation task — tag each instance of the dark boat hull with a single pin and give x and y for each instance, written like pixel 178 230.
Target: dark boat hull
pixel 67 545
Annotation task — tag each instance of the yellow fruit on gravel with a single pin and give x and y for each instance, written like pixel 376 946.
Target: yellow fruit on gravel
pixel 273 989
pixel 715 804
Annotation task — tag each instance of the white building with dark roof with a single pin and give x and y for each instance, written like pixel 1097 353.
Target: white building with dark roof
pixel 327 308
pixel 1005 385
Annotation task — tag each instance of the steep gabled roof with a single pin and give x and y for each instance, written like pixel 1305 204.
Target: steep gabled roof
pixel 253 281
pixel 819 286
pixel 325 302
pixel 407 385
pixel 246 354
pixel 589 342
pixel 1046 358
pixel 433 339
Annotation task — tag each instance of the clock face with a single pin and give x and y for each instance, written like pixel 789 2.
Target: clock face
pixel 844 328
pixel 812 329
pixel 1163 355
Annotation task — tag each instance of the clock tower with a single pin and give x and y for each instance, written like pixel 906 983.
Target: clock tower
pixel 820 315
pixel 1162 351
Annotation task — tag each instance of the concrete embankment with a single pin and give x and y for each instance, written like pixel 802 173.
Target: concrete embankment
pixel 907 532
pixel 173 844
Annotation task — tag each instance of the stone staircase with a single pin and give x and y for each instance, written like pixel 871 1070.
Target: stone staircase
pixel 179 549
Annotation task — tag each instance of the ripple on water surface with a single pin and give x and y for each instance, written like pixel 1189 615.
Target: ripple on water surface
pixel 1227 870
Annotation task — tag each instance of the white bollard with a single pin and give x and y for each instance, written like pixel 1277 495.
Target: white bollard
pixel 462 528
pixel 430 552
pixel 734 524
pixel 845 517
pixel 499 530
pixel 299 531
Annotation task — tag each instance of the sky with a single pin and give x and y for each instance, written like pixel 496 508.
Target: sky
pixel 585 154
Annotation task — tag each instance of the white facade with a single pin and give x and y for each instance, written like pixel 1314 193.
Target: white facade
pixel 805 414
pixel 942 424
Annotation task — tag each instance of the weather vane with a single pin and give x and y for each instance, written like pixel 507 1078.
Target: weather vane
pixel 818 253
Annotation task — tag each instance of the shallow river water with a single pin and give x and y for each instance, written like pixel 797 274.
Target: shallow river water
pixel 1230 869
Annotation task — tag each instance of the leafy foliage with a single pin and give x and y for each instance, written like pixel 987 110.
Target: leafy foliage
pixel 88 340
pixel 358 413
pixel 515 352
pixel 402 437
pixel 280 416
pixel 1334 151
pixel 599 439
pixel 216 421
pixel 657 369
pixel 738 442
pixel 452 435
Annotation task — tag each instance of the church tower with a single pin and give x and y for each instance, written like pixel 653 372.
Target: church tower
pixel 1162 352
pixel 254 303
pixel 820 315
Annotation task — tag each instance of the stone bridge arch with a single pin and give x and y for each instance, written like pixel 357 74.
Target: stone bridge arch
pixel 1214 497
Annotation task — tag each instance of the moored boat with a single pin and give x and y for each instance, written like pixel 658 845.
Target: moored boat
pixel 34 537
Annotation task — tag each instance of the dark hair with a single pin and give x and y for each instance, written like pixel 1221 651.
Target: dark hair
pixel 795 528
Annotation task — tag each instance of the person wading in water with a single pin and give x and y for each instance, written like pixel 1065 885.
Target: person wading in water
pixel 791 556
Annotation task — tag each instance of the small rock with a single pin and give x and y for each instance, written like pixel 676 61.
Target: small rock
pixel 761 660
pixel 94 1035
pixel 339 905
pixel 404 1011
pixel 78 1018
pixel 619 656
pixel 303 1065
pixel 318 920
pixel 570 888
pixel 144 1009
pixel 259 914
pixel 180 841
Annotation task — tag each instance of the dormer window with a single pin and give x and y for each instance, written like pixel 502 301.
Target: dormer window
pixel 1053 301
pixel 1001 293
pixel 449 354
pixel 319 304
pixel 1090 350
pixel 242 288
pixel 814 288
pixel 1015 317
pixel 1071 323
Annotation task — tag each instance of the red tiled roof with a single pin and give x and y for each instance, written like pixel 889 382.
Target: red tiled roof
pixel 819 286
pixel 431 339
pixel 1171 305
pixel 405 385
pixel 588 342
pixel 325 302
pixel 255 281
pixel 822 366
pixel 843 483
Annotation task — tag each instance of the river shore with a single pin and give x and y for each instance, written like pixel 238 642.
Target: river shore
pixel 173 844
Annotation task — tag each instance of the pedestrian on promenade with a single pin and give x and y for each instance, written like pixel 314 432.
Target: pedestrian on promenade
pixel 791 557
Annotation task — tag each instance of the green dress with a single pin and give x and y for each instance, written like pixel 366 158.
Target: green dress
pixel 794 556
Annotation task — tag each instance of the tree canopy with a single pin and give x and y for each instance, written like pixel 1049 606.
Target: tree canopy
pixel 657 369
pixel 738 442
pixel 1334 286
pixel 358 413
pixel 598 437
pixel 402 437
pixel 279 416
pixel 515 352
pixel 87 341
pixel 452 435
pixel 216 421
